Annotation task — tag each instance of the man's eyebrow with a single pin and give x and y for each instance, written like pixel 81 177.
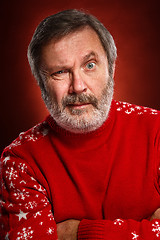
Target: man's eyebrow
pixel 46 70
pixel 88 56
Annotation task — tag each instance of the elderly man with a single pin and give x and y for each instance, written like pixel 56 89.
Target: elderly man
pixel 91 170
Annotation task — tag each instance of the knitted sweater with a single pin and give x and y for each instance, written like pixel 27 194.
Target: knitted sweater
pixel 108 179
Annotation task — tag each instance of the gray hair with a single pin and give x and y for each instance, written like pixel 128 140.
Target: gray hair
pixel 61 24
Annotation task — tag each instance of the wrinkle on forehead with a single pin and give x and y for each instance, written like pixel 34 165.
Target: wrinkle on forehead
pixel 76 46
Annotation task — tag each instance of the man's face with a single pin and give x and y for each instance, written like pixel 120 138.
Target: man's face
pixel 78 88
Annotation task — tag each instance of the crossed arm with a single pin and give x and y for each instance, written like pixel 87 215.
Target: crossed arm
pixel 26 211
pixel 68 230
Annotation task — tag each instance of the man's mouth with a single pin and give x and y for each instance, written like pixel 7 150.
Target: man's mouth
pixel 78 105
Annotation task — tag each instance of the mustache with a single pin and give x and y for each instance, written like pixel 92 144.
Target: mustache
pixel 80 98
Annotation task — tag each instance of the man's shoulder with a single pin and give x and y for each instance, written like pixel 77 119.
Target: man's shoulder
pixel 138 117
pixel 32 135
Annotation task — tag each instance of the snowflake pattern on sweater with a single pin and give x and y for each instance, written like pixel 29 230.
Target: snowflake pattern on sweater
pixel 131 108
pixel 38 131
pixel 24 198
pixel 25 201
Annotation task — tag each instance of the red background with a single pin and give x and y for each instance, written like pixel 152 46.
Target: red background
pixel 135 27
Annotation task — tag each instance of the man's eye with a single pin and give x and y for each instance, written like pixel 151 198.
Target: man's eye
pixel 58 74
pixel 90 65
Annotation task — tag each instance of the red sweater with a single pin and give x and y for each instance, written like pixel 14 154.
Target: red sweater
pixel 108 179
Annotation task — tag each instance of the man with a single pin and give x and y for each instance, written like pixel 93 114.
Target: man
pixel 91 169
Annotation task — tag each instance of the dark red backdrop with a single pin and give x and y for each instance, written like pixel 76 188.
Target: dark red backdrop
pixel 135 27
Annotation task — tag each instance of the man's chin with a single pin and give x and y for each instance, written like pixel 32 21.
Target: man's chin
pixel 79 122
pixel 79 110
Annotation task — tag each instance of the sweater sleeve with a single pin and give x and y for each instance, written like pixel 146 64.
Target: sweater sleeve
pixel 119 229
pixel 25 208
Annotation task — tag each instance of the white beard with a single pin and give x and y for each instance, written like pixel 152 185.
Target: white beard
pixel 76 121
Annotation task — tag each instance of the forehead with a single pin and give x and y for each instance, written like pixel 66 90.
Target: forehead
pixel 82 35
pixel 76 44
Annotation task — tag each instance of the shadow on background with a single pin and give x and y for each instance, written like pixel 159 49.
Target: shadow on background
pixel 135 27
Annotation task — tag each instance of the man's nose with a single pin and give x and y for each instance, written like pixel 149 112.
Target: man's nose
pixel 78 84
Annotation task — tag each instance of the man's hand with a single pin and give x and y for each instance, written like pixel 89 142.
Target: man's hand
pixel 68 229
pixel 156 215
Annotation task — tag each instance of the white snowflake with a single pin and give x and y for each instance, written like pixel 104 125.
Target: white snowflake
pixel 31 137
pixel 11 185
pixel 32 178
pixel 37 214
pixel 6 159
pixel 22 167
pixel 11 173
pixel 31 205
pixel 50 215
pixel 41 223
pixel 154 113
pixel 135 236
pixel 6 237
pixel 118 222
pixel 21 194
pixel 50 231
pixel 156 229
pixel 129 111
pixel 27 233
pixel 138 107
pixel 153 110
pixel 15 143
pixel 21 135
pixel 40 189
pixel 36 128
pixel 45 201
